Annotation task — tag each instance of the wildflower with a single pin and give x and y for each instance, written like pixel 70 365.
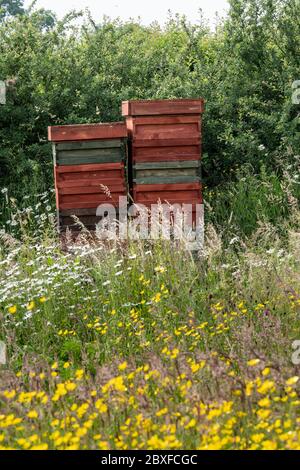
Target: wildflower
pixel 122 366
pixel 162 412
pixel 257 438
pixel 79 374
pixel 263 414
pixel 101 406
pixel 269 445
pixel 253 362
pixel 264 402
pixel 157 297
pixel 159 269
pixel 70 386
pixel 33 414
pixel 191 424
pixel 30 306
pixel 12 310
pixel 266 387
pixel 292 380
pixel 40 447
pixel 9 394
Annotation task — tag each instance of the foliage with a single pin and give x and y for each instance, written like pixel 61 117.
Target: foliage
pixel 11 8
pixel 143 346
pixel 70 72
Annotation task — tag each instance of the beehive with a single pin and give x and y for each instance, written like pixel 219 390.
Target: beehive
pixel 89 170
pixel 165 148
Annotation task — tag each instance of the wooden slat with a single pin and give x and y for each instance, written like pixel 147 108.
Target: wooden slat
pixel 78 212
pixel 165 127
pixel 90 167
pixel 86 204
pixel 89 153
pixel 91 183
pixel 168 187
pixel 145 195
pixel 166 179
pixel 176 142
pixel 159 158
pixel 88 212
pixel 83 161
pixel 83 178
pixel 168 153
pixel 88 221
pixel 166 120
pixel 167 165
pixel 158 107
pixel 93 144
pixel 87 132
pixel 113 188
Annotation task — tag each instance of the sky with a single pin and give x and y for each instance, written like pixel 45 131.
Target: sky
pixel 148 10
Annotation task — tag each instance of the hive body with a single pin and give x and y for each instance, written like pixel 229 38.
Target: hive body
pixel 165 149
pixel 89 170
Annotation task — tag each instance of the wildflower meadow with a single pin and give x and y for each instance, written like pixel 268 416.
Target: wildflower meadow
pixel 130 344
pixel 145 345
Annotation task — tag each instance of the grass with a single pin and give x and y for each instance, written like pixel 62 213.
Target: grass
pixel 144 346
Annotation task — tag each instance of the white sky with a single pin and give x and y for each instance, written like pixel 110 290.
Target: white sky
pixel 148 10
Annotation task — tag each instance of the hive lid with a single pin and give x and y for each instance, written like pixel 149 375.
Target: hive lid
pixel 87 132
pixel 162 107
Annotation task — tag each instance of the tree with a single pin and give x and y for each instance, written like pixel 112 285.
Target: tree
pixel 11 8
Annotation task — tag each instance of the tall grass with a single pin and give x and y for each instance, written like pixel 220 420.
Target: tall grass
pixel 144 345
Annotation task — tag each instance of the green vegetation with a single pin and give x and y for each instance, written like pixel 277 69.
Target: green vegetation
pixel 75 71
pixel 134 345
pixel 114 345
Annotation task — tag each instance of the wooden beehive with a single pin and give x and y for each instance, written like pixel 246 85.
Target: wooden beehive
pixel 89 170
pixel 165 148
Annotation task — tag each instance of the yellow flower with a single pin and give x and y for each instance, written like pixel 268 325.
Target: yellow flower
pixel 253 362
pixel 70 386
pixel 269 445
pixel 266 371
pixel 122 366
pixel 13 309
pixel 9 394
pixel 66 365
pixel 79 374
pixel 30 305
pixel 292 380
pixel 40 447
pixel 157 298
pixel 162 412
pixel 265 387
pixel 191 424
pixel 43 300
pixel 101 406
pixel 257 438
pixel 249 388
pixel 264 402
pixel 263 414
pixel 159 269
pixel 33 414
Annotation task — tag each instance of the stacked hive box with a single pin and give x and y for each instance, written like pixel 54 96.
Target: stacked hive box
pixel 165 143
pixel 89 166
